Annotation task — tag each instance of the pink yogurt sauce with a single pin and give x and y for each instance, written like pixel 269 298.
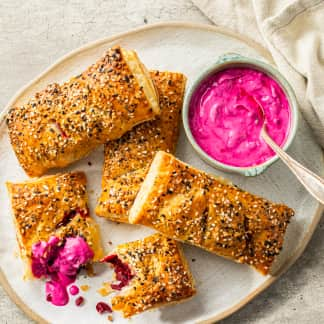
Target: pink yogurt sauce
pixel 60 264
pixel 74 290
pixel 224 117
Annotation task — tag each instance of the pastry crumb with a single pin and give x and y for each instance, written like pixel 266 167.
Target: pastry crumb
pixel 110 318
pixel 105 290
pixel 85 287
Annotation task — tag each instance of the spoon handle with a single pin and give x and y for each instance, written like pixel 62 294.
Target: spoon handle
pixel 311 181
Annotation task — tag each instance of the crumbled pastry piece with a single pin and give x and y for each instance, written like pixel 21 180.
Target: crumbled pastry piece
pixel 156 274
pixel 191 206
pixel 128 158
pixel 53 206
pixel 63 123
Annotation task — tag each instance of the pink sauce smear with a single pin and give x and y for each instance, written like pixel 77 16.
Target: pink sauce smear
pixel 60 263
pixel 224 117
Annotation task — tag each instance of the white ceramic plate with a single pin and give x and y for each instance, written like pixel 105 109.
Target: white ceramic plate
pixel 223 286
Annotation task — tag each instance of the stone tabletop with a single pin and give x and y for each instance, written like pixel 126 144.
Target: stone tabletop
pixel 34 33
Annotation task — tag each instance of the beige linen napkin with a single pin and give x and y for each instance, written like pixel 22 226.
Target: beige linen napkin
pixel 293 31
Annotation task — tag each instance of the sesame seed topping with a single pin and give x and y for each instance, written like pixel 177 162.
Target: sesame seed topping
pixel 197 208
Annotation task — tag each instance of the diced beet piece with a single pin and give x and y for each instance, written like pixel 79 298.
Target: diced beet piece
pixel 102 307
pixel 79 301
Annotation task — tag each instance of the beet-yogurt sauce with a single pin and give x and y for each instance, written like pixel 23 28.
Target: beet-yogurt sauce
pixel 224 116
pixel 60 264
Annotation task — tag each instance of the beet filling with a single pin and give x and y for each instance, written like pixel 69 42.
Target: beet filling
pixel 44 266
pixel 70 215
pixel 123 272
pixel 102 307
pixel 59 261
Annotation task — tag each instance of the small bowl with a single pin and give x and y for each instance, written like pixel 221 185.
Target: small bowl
pixel 231 60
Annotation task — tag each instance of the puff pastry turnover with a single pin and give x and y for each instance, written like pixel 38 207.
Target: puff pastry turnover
pixel 156 271
pixel 63 123
pixel 128 158
pixel 188 205
pixel 53 206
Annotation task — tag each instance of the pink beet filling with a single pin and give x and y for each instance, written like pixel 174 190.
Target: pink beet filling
pixel 102 307
pixel 60 263
pixel 123 272
pixel 60 130
pixel 43 256
pixel 56 293
pixel 79 301
pixel 74 290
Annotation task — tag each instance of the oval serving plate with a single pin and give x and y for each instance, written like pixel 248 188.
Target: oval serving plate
pixel 223 286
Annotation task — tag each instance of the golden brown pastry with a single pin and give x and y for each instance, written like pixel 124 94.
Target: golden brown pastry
pixel 154 273
pixel 191 206
pixel 128 158
pixel 63 123
pixel 53 206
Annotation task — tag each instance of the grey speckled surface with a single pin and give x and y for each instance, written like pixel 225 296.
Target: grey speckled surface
pixel 34 33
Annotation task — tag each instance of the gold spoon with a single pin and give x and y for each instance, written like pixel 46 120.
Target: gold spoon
pixel 311 181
